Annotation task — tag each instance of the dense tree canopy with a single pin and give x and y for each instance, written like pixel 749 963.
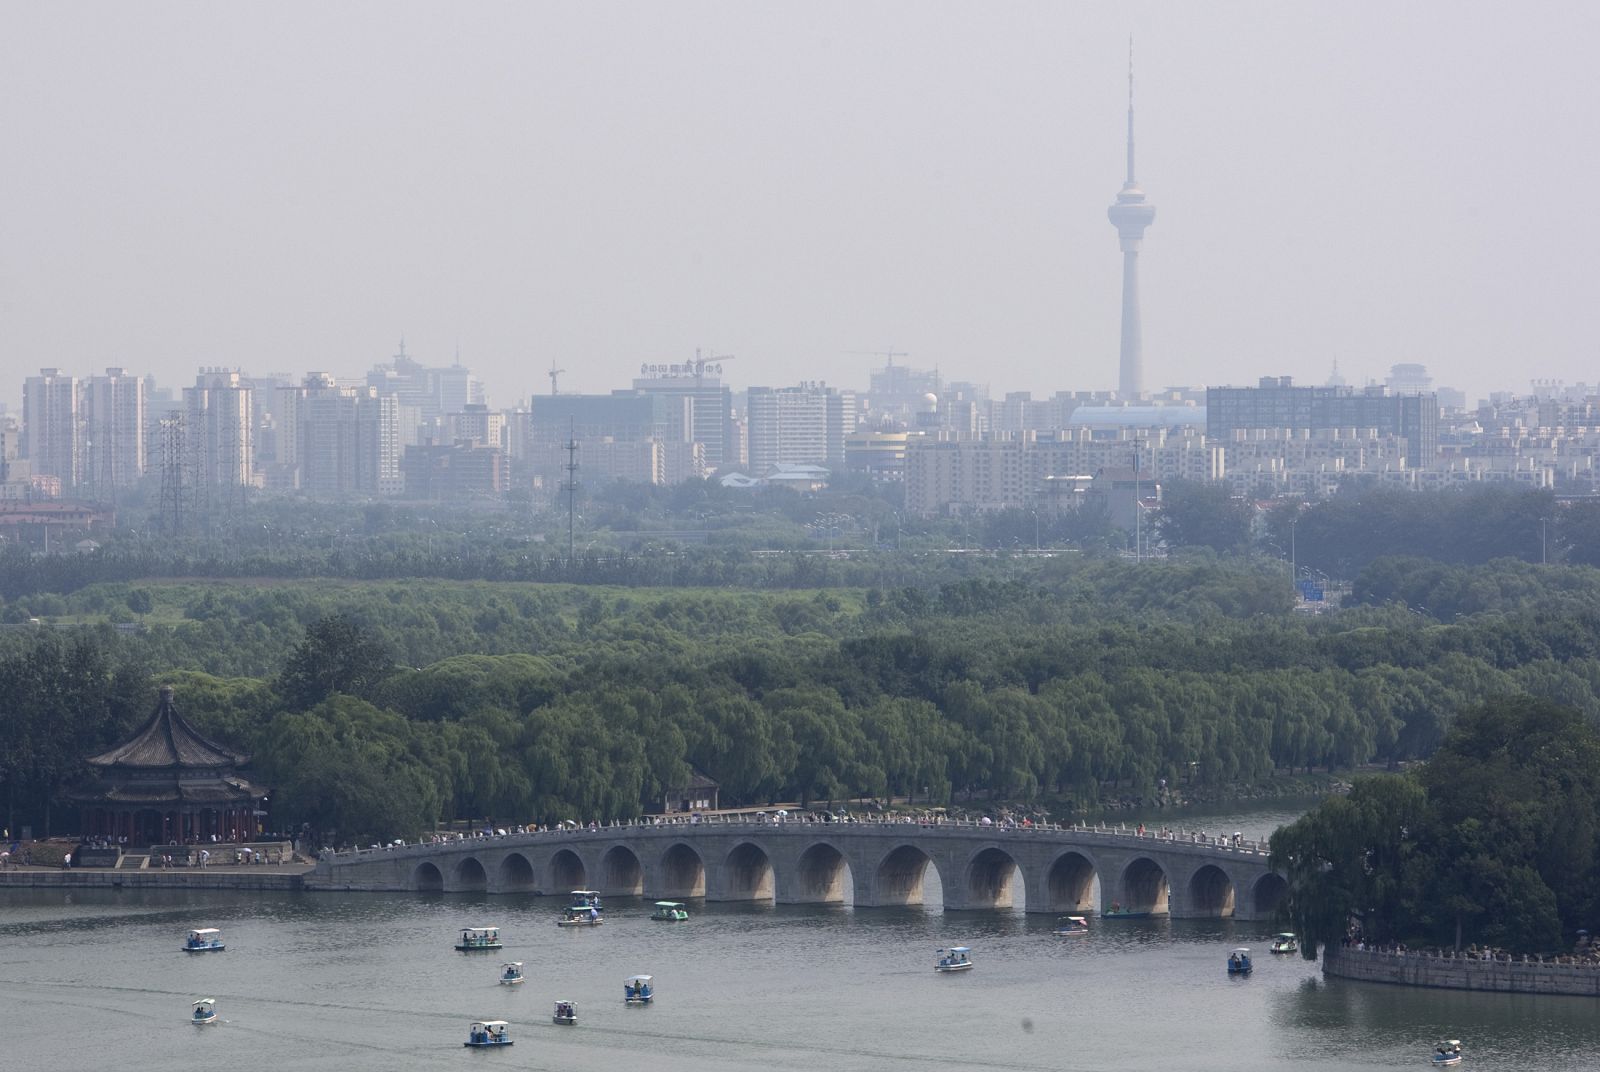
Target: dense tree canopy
pixel 1495 840
pixel 1081 679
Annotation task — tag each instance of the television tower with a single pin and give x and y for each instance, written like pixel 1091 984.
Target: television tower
pixel 1131 215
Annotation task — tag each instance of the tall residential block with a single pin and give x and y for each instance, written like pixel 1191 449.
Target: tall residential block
pixel 52 435
pixel 339 442
pixel 113 431
pixel 803 425
pixel 219 430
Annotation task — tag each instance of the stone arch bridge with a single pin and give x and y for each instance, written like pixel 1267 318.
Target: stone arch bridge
pixel 1056 868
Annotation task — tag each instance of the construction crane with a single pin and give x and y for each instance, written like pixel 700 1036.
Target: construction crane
pixel 702 360
pixel 553 373
pixel 888 355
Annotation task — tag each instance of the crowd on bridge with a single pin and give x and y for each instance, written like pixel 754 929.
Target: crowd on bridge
pixel 1003 822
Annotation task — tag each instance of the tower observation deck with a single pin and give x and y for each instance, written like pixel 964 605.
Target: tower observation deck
pixel 1131 214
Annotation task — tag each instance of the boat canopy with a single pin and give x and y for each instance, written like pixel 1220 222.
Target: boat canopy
pixel 1285 934
pixel 1241 949
pixel 960 949
pixel 1073 919
pixel 512 964
pixel 1450 1044
pixel 487 930
pixel 637 979
pixel 585 893
pixel 490 1024
pixel 205 1001
pixel 669 904
pixel 200 932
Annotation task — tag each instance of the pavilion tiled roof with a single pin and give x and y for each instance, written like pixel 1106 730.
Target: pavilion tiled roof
pixel 168 741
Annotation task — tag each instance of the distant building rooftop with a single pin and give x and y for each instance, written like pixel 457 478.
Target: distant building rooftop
pixel 1138 416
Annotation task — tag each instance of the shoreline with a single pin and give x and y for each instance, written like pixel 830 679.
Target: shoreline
pixel 1443 972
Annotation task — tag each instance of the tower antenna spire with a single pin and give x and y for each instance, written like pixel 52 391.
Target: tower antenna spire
pixel 1130 110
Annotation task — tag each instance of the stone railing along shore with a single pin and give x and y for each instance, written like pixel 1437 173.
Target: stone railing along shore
pixel 1501 973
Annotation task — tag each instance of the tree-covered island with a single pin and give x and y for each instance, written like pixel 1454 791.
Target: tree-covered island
pixel 1493 842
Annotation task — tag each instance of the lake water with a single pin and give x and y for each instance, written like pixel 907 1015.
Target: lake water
pixel 359 982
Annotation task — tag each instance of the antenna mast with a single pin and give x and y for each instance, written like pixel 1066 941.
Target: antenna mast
pixel 888 355
pixel 1130 109
pixel 553 373
pixel 172 475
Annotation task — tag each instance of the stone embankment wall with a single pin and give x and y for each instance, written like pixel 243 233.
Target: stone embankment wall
pixel 1462 972
pixel 242 879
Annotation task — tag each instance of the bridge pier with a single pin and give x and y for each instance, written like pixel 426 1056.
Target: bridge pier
pixel 820 875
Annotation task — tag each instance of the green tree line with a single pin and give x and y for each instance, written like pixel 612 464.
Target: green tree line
pixel 379 708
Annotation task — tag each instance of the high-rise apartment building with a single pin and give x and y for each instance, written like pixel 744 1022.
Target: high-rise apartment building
pixel 339 442
pixel 219 430
pixel 113 432
pixel 804 425
pixel 52 435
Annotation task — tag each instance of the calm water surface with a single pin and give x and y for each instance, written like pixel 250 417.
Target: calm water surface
pixel 369 981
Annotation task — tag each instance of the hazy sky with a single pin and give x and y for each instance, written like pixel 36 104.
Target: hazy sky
pixel 289 186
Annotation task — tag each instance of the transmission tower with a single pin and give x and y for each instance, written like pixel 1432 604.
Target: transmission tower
pixel 570 485
pixel 172 465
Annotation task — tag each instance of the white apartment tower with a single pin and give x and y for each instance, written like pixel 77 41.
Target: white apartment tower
pixel 114 432
pixel 804 425
pixel 218 430
pixel 347 439
pixel 52 437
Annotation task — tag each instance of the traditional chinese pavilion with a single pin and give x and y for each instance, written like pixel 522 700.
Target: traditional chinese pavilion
pixel 168 784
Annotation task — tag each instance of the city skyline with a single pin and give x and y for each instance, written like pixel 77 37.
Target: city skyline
pixel 297 187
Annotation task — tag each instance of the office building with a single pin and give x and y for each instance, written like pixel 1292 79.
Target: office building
pixel 1276 403
pixel 710 412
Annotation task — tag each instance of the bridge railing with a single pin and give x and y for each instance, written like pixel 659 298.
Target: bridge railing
pixel 1220 843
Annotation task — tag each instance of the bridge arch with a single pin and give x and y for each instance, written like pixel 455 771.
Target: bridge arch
pixel 682 872
pixel 990 879
pixel 900 877
pixel 1267 894
pixel 822 875
pixel 1069 883
pixel 567 872
pixel 1144 887
pixel 469 875
pixel 621 873
pixel 747 874
pixel 1211 892
pixel 427 878
pixel 515 874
